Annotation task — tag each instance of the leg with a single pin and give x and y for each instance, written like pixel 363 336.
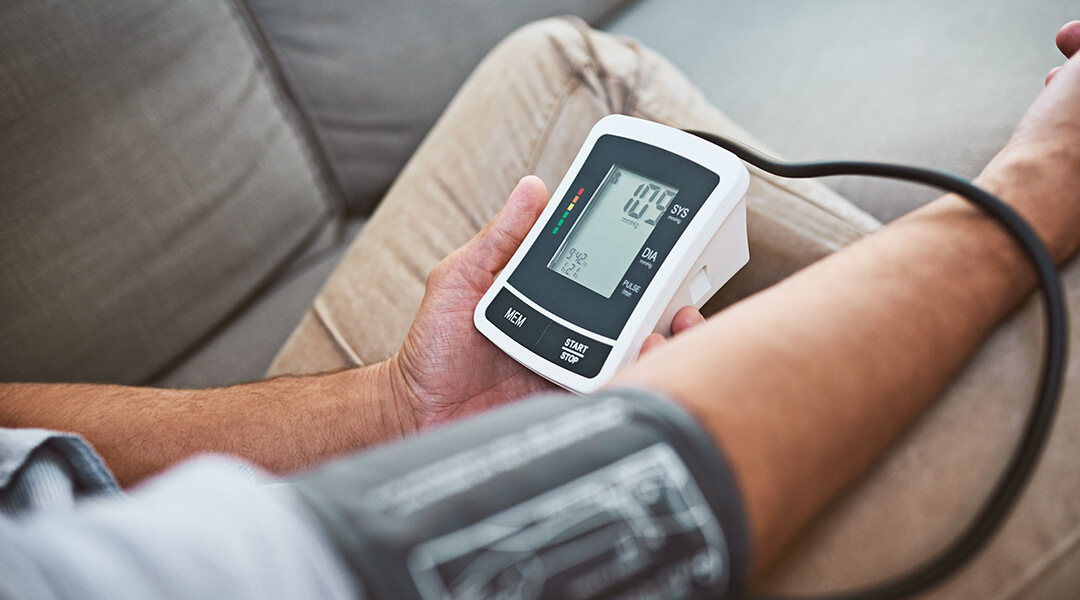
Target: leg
pixel 526 109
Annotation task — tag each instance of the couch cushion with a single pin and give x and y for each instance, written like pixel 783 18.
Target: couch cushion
pixel 150 181
pixel 373 76
pixel 244 349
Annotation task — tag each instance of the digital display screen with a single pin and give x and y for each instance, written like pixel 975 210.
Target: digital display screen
pixel 609 235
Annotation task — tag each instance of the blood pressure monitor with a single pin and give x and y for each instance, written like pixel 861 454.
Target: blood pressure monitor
pixel 648 219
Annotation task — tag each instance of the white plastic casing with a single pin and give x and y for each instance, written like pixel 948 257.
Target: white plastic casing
pixel 711 249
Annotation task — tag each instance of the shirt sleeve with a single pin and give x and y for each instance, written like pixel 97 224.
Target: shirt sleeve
pixel 203 530
pixel 44 471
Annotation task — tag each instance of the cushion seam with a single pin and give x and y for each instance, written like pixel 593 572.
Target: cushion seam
pixel 1044 565
pixel 285 99
pixel 333 203
pixel 245 301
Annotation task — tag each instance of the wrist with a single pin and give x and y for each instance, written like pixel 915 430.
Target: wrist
pixel 1039 181
pixel 382 410
pixel 401 403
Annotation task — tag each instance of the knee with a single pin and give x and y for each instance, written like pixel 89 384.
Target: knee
pixel 566 27
pixel 572 45
pixel 551 37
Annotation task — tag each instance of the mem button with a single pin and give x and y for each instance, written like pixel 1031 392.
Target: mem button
pixel 516 319
pixel 572 351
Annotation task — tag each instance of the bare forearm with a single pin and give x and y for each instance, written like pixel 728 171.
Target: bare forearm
pixel 805 384
pixel 281 424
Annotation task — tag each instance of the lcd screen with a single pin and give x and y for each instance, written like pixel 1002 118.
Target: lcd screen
pixel 612 230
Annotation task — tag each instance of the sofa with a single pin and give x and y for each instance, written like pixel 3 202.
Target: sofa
pixel 253 137
pixel 177 179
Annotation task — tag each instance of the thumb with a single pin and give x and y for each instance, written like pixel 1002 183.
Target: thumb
pixel 492 248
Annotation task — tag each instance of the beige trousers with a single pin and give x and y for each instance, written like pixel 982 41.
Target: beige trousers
pixel 526 109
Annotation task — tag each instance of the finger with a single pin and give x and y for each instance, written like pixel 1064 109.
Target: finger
pixel 492 248
pixel 1068 38
pixel 1051 74
pixel 687 317
pixel 684 319
pixel 655 340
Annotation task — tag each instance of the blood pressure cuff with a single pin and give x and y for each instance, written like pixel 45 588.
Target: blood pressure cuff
pixel 616 495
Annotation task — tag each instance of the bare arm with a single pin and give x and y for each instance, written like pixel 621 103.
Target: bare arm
pixel 281 424
pixel 446 370
pixel 805 384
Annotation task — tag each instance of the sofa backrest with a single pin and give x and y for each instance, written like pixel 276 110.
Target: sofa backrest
pixel 162 160
pixel 372 76
pixel 151 179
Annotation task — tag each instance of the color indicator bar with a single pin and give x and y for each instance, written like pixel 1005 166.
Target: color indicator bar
pixel 569 208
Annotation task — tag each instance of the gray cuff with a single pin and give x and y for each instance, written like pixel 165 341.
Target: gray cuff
pixel 555 497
